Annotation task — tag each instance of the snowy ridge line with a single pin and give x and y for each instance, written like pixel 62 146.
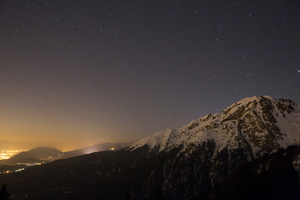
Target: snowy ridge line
pixel 263 122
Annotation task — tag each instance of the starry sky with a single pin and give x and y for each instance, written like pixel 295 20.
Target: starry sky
pixel 77 73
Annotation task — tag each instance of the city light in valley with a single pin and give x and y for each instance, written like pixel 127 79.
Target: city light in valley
pixel 6 154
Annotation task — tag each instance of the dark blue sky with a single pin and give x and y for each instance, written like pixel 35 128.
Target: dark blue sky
pixel 74 73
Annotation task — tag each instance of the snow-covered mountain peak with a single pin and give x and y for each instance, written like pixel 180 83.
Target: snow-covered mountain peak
pixel 260 105
pixel 158 139
pixel 259 124
pixel 248 101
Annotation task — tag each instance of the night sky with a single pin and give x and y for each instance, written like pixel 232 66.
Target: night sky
pixel 77 73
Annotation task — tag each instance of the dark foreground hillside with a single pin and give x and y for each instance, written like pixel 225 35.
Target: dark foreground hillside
pixel 273 176
pixel 142 175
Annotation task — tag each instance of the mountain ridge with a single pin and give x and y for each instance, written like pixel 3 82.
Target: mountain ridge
pixel 223 127
pixel 37 154
pixel 48 154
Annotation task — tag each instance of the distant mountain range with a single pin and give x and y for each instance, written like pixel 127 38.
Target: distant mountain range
pixel 47 154
pixel 251 150
pixel 96 148
pixel 38 154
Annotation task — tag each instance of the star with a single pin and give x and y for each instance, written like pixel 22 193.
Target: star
pixel 147 66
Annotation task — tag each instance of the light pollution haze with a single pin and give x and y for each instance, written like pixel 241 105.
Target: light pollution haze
pixel 78 73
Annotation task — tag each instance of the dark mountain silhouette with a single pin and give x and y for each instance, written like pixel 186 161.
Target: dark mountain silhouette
pixel 34 155
pixel 48 154
pixel 95 148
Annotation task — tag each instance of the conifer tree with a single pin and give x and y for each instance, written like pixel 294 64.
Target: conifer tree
pixel 128 196
pixel 4 194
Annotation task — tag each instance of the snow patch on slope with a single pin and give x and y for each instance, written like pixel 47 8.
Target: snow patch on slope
pixel 289 124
